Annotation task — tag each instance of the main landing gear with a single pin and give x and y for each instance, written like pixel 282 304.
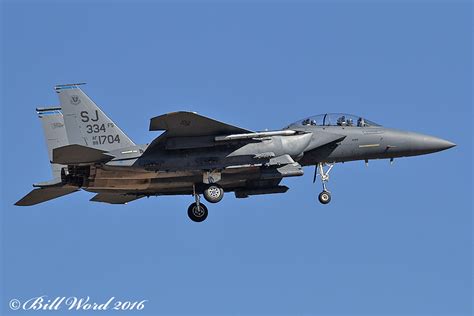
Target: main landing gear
pixel 325 196
pixel 197 211
pixel 213 193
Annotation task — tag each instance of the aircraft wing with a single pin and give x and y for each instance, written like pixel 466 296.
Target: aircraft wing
pixel 189 124
pixel 189 130
pixel 115 198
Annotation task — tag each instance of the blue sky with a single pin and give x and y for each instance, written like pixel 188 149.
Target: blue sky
pixel 395 240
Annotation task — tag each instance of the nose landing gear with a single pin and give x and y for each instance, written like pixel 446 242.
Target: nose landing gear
pixel 325 196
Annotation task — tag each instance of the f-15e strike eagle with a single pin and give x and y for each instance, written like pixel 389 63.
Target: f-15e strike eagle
pixel 197 155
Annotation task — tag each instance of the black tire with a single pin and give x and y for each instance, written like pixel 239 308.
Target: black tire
pixel 197 215
pixel 213 193
pixel 324 197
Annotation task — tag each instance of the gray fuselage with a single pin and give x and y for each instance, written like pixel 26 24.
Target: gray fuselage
pixel 178 164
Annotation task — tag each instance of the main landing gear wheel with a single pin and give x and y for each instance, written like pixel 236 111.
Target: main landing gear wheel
pixel 324 197
pixel 213 193
pixel 197 212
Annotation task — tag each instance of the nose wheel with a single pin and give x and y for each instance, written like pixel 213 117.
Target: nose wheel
pixel 325 196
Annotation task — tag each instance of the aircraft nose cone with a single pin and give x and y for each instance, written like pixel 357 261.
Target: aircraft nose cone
pixel 430 144
pixel 438 144
pixel 403 143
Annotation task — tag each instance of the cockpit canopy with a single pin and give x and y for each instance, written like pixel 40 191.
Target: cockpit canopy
pixel 335 119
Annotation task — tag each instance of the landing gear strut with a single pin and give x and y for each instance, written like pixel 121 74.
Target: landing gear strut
pixel 325 196
pixel 197 211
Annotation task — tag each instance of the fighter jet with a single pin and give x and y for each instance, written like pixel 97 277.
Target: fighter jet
pixel 196 155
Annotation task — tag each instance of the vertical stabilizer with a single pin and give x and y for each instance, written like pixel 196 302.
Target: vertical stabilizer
pixel 86 124
pixel 54 134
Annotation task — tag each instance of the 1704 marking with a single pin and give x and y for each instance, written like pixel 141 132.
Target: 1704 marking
pixel 105 139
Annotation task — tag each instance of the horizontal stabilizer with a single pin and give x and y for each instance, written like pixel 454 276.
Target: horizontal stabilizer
pixel 78 154
pixel 44 194
pixel 115 198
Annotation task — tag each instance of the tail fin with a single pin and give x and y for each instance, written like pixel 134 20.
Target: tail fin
pixel 54 133
pixel 85 122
